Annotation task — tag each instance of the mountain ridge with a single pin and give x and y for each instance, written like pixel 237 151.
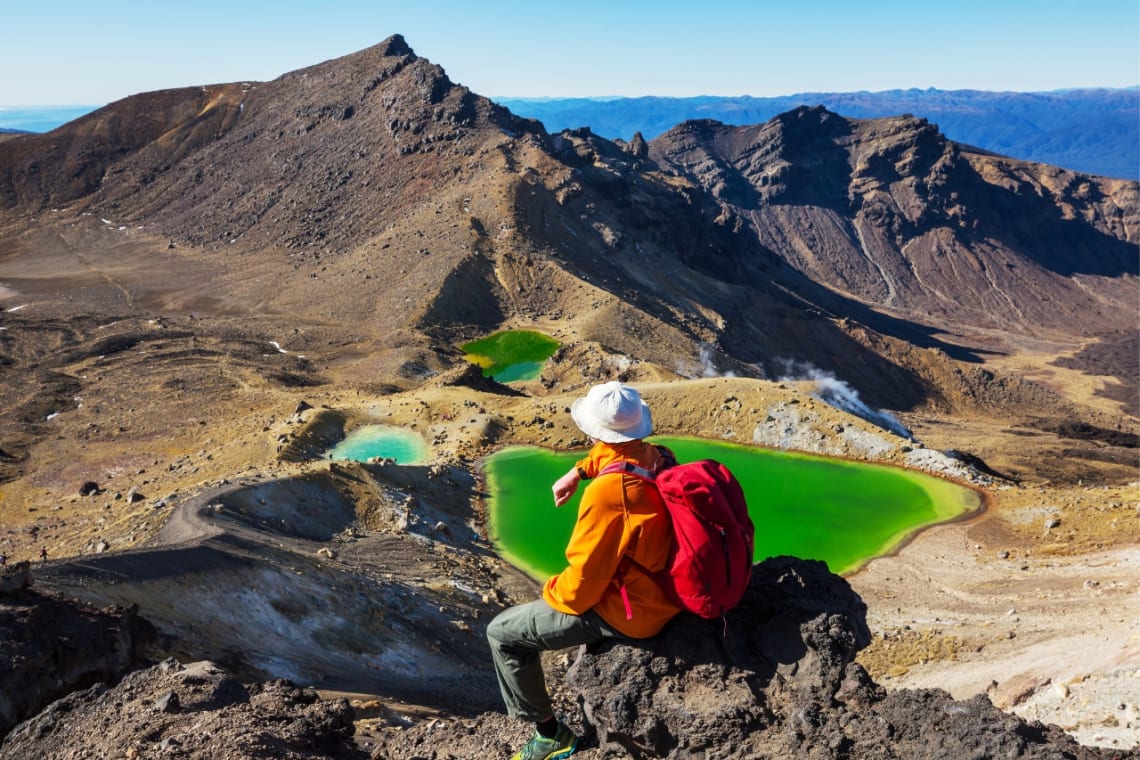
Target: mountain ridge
pixel 1086 129
pixel 351 170
pixel 912 208
pixel 1092 130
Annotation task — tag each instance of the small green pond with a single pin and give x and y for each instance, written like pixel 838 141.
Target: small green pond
pixel 811 507
pixel 382 441
pixel 511 355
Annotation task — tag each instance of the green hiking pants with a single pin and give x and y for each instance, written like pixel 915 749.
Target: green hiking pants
pixel 518 636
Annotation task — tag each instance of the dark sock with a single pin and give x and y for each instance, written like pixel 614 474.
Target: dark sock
pixel 547 728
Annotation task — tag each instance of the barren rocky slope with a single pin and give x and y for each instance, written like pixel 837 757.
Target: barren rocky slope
pixel 205 288
pixel 895 215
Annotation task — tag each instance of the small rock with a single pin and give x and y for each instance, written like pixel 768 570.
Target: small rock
pixel 167 703
pixel 15 578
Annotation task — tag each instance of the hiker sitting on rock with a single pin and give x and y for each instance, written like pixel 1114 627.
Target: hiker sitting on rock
pixel 600 593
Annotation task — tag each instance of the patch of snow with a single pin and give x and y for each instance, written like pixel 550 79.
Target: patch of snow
pixel 277 345
pixel 18 308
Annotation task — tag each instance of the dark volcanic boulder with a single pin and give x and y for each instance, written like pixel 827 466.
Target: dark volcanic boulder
pixel 50 647
pixel 702 686
pixel 15 578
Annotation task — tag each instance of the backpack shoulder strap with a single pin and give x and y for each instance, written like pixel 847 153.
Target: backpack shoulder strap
pixel 629 468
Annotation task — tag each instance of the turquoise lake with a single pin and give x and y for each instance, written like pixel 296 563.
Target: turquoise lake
pixel 371 441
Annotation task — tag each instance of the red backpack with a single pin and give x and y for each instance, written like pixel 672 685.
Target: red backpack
pixel 710 561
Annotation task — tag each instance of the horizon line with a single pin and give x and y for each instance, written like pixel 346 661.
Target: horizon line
pixel 64 106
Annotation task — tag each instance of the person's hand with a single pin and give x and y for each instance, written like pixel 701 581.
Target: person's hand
pixel 565 487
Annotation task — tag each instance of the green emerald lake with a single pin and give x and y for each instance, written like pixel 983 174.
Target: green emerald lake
pixel 811 507
pixel 511 355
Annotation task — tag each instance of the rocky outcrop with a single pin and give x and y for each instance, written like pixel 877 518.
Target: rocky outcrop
pixel 703 686
pixel 50 647
pixel 777 678
pixel 192 711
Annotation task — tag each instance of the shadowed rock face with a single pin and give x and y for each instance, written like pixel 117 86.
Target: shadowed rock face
pixel 779 680
pixel 50 647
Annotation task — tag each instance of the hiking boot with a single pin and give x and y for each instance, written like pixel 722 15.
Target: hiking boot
pixel 540 748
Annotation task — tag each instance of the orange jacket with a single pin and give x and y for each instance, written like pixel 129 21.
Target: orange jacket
pixel 618 515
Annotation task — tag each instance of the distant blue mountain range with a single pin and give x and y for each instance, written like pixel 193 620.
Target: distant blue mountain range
pixel 39 119
pixel 1096 131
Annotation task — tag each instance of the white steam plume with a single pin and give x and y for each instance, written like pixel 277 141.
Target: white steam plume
pixel 708 368
pixel 831 390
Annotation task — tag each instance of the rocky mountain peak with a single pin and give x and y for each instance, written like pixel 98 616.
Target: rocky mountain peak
pixel 396 45
pixel 893 214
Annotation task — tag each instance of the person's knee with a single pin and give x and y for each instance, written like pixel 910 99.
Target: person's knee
pixel 497 631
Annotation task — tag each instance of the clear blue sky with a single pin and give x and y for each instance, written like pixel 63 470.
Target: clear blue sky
pixel 89 53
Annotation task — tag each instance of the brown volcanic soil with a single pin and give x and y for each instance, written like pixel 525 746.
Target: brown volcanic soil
pixel 144 351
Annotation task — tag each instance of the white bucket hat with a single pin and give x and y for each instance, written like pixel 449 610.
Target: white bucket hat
pixel 613 413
